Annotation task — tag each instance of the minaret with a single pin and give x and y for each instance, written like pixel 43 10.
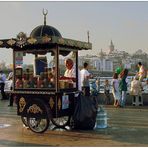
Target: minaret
pixel 111 47
pixel 101 54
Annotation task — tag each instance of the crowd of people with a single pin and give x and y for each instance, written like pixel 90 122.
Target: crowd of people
pixel 120 84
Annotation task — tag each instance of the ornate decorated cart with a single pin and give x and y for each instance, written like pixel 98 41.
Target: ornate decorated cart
pixel 38 65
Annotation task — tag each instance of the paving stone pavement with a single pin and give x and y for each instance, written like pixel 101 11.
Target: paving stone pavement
pixel 126 127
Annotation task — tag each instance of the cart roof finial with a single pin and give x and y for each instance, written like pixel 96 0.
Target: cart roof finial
pixel 45 12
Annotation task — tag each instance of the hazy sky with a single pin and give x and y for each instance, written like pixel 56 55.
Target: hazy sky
pixel 126 23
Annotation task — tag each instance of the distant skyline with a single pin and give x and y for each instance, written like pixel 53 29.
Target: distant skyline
pixel 123 22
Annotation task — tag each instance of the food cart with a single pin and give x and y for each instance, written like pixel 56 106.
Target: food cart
pixel 41 93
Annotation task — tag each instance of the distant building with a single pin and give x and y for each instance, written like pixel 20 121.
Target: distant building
pixel 97 63
pixel 111 47
pixel 108 62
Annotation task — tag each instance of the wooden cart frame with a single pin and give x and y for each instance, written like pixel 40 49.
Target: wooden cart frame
pixel 38 106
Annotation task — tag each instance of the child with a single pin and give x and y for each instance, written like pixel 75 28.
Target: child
pixel 98 85
pixel 106 92
pixel 93 89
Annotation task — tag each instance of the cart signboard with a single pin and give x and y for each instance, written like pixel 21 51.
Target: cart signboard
pixel 19 59
pixel 65 102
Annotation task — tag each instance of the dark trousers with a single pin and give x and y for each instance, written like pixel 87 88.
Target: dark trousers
pixel 11 99
pixel 107 98
pixel 4 97
pixel 86 90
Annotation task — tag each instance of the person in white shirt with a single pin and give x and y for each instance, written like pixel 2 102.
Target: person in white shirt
pixel 135 90
pixel 70 72
pixel 85 75
pixel 10 85
pixel 135 87
pixel 115 90
pixel 2 85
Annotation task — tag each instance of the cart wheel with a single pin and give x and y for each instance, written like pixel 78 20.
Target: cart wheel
pixel 61 121
pixel 38 125
pixel 24 120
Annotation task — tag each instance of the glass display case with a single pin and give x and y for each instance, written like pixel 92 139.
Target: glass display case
pixel 39 71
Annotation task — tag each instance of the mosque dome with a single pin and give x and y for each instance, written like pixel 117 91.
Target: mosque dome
pixel 44 30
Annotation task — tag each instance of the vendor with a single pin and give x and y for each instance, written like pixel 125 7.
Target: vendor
pixel 70 73
pixel 70 70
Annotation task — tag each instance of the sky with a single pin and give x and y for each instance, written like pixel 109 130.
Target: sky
pixel 123 22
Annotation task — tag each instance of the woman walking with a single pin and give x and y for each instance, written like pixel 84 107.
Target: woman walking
pixel 115 90
pixel 123 86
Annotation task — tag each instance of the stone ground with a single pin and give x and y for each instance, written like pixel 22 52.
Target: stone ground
pixel 126 127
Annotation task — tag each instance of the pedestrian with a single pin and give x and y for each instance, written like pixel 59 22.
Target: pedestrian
pixel 135 90
pixel 107 92
pixel 93 89
pixel 10 79
pixel 123 86
pixel 98 85
pixel 141 73
pixel 145 86
pixel 115 90
pixel 85 76
pixel 2 85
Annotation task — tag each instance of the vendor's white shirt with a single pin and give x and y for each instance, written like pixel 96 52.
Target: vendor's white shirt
pixel 72 73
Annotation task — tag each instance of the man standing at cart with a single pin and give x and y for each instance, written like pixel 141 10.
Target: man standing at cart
pixel 85 75
pixel 2 85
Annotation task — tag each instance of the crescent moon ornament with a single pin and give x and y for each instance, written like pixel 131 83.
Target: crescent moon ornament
pixel 45 12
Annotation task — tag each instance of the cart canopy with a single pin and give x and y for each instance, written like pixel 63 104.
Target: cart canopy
pixel 44 37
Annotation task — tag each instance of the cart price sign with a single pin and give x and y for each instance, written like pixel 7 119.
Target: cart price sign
pixel 65 102
pixel 18 58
